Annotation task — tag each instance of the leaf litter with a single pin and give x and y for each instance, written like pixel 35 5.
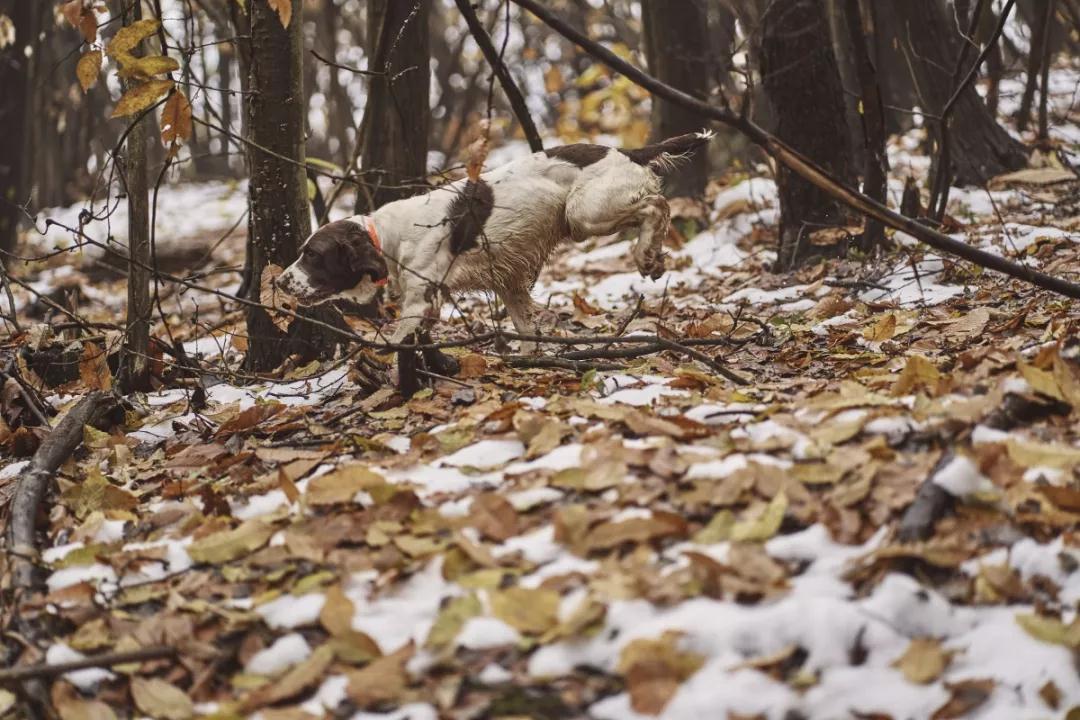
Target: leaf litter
pixel 648 542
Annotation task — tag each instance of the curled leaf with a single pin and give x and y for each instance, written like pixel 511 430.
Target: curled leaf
pixel 141 97
pixel 88 69
pixel 176 119
pixel 128 37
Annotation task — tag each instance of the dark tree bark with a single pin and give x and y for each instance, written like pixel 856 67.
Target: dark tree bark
pixel 676 47
pixel 981 148
pixel 860 24
pixel 16 79
pixel 136 356
pixel 280 218
pixel 802 84
pixel 1047 57
pixel 1039 26
pixel 394 133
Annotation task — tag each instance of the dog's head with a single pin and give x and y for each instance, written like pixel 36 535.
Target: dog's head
pixel 338 260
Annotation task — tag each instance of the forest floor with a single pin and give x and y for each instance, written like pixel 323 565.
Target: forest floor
pixel 648 541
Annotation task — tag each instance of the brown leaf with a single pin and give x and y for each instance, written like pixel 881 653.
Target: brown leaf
pixel 142 96
pixel 70 706
pixel 160 699
pixel 654 670
pixel 924 661
pixel 94 370
pixel 966 696
pixel 273 296
pixel 294 682
pixel 88 69
pixel 337 612
pixel 284 10
pixel 612 534
pixel 383 680
pixel 477 152
pixel 883 329
pixel 494 517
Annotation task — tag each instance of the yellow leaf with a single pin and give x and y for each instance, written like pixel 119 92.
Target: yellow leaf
pixel 918 373
pixel 141 96
pixel 128 37
pixel 1041 381
pixel 532 611
pixel 765 526
pixel 88 69
pixel 382 681
pixel 160 699
pixel 1035 454
pixel 283 9
pixel 924 661
pixel 145 68
pixel 883 329
pixel 225 546
pixel 452 617
pixel 341 485
pixel 1050 629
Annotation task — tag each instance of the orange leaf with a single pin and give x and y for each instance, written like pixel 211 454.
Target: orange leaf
pixel 176 119
pixel 284 10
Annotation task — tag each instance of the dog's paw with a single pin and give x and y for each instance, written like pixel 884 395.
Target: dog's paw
pixel 651 265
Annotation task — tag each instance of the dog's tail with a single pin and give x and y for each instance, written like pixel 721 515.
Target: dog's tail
pixel 663 157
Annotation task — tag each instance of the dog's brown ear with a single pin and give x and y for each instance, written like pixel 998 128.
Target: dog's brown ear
pixel 364 259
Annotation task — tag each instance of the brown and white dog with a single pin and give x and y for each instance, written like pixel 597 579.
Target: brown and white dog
pixel 493 234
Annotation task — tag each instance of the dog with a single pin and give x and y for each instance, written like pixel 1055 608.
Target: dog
pixel 493 234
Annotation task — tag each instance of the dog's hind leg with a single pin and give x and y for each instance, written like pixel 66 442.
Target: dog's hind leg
pixel 528 316
pixel 616 201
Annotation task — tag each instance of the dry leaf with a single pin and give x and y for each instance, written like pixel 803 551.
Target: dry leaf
pixel 765 525
pixel 494 517
pixel 284 10
pixel 383 680
pixel 94 370
pixel 128 37
pixel 531 611
pixel 301 677
pixel 88 69
pixel 228 545
pixel 142 96
pixel 337 612
pixel 160 699
pixel 924 661
pixel 273 296
pixel 341 485
pixel 452 617
pixel 176 124
pixel 654 670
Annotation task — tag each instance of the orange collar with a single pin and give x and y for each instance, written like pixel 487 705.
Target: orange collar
pixel 369 224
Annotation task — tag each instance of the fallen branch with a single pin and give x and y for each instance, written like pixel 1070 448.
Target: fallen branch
pixel 558 363
pixel 513 93
pixel 930 504
pixel 46 670
pixel 800 165
pixel 34 480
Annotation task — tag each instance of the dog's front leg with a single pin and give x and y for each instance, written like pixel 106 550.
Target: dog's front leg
pixel 420 311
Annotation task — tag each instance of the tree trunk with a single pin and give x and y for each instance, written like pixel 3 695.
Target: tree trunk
pixel 802 84
pixel 136 356
pixel 277 193
pixel 981 148
pixel 860 24
pixel 16 78
pixel 676 47
pixel 397 117
pixel 1047 58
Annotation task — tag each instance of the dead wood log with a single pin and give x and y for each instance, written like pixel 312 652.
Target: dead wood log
pixel 46 670
pixel 802 166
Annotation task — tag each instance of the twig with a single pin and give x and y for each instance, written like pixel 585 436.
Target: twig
pixel 513 93
pixel 526 361
pixel 800 165
pixel 46 670
pixel 339 66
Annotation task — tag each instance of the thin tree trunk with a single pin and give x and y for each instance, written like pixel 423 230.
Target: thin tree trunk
pixel 860 23
pixel 280 217
pixel 1039 25
pixel 802 84
pixel 1047 56
pixel 394 138
pixel 16 79
pixel 676 46
pixel 136 356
